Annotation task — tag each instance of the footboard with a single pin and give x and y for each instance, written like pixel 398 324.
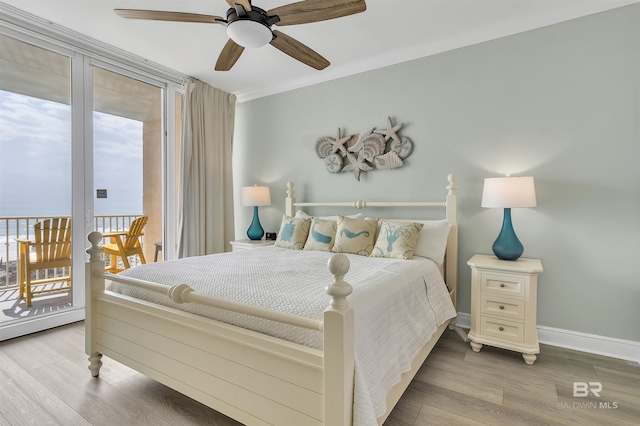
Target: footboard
pixel 251 377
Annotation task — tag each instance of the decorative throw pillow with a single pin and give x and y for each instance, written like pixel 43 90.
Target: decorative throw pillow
pixel 293 232
pixel 355 235
pixel 397 239
pixel 322 235
pixel 432 242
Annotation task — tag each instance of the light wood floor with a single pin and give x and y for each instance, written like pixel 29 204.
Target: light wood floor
pixel 44 381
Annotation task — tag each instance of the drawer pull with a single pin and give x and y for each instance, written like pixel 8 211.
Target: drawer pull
pixel 501 306
pixel 501 328
pixel 502 285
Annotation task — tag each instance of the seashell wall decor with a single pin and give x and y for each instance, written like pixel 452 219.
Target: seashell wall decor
pixel 370 150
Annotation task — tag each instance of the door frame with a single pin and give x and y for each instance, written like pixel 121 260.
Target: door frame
pixel 85 53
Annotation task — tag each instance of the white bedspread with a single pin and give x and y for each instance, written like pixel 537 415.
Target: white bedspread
pixel 397 303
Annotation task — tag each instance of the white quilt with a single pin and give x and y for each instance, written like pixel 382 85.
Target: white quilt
pixel 397 304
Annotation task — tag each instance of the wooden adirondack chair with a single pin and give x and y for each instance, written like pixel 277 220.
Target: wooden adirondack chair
pixel 124 244
pixel 50 250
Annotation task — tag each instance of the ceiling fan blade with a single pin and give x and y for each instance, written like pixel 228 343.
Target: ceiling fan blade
pixel 299 51
pixel 229 56
pixel 307 11
pixel 157 15
pixel 244 3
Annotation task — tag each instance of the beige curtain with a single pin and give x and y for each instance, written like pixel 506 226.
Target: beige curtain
pixel 206 187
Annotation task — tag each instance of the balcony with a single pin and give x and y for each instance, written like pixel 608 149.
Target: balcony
pixel 11 306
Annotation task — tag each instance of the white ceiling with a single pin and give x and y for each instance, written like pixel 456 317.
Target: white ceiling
pixel 388 32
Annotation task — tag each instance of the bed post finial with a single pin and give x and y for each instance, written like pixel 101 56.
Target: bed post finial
pixel 339 289
pixel 95 251
pixel 452 184
pixel 96 262
pixel 290 201
pixel 339 349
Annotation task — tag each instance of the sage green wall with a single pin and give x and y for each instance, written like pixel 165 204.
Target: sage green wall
pixel 560 103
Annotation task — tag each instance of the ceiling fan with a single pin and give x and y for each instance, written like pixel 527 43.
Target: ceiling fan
pixel 250 26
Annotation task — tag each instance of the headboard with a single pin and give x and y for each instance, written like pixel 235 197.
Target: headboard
pixel 451 214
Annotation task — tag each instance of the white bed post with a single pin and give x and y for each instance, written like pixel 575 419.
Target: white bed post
pixel 93 284
pixel 290 201
pixel 339 350
pixel 451 271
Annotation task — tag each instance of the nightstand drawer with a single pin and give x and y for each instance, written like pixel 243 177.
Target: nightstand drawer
pixel 505 330
pixel 502 307
pixel 502 284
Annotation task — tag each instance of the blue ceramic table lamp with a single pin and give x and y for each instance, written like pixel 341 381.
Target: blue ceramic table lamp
pixel 255 196
pixel 508 192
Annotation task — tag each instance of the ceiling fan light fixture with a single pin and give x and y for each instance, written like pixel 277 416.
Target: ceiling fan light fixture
pixel 249 33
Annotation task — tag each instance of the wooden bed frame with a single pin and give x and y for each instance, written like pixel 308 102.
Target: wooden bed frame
pixel 251 377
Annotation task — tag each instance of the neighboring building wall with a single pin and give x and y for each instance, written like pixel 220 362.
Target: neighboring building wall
pixel 152 186
pixel 560 103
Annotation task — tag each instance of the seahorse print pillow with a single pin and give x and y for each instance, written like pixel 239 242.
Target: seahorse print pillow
pixel 397 239
pixel 355 235
pixel 322 235
pixel 293 232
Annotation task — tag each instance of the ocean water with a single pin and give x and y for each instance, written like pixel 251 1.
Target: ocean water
pixel 21 226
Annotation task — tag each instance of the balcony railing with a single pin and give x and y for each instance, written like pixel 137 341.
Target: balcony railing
pixel 22 227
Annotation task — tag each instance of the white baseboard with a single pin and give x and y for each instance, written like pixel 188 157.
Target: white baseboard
pixel 463 320
pixel 627 350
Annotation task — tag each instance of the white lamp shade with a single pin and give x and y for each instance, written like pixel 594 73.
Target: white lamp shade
pixel 509 192
pixel 256 196
pixel 248 33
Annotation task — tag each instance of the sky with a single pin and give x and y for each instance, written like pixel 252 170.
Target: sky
pixel 35 159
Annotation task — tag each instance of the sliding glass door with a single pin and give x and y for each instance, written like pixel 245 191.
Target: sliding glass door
pixel 36 152
pixel 128 129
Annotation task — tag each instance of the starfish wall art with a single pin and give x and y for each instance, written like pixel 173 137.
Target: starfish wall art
pixel 372 149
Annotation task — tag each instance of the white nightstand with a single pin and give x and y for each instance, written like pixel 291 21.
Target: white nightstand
pixel 250 244
pixel 503 304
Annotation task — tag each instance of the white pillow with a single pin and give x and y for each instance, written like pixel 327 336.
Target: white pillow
pixel 305 215
pixel 432 242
